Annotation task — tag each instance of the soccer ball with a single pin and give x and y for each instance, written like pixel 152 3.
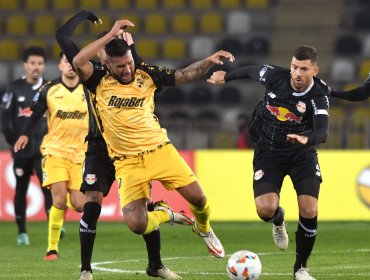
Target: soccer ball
pixel 244 265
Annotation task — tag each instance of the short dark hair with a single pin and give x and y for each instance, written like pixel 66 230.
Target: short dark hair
pixel 116 47
pixel 306 52
pixel 33 50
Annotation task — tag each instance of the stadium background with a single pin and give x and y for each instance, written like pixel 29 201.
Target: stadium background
pixel 201 119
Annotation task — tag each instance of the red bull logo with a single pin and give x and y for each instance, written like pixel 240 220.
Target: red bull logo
pixel 283 114
pixel 25 112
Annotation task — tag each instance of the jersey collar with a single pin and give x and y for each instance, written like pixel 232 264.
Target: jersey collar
pixel 304 92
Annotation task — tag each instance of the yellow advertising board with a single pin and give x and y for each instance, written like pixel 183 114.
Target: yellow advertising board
pixel 227 176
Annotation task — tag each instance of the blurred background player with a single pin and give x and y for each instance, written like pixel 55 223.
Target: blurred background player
pixel 139 146
pixel 63 147
pixel 16 102
pixel 99 173
pixel 286 125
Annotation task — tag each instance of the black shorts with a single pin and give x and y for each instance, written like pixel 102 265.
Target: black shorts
pixel 28 166
pixel 270 167
pixel 98 170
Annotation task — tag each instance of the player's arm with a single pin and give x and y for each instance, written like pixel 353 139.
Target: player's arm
pixel 38 107
pixel 245 72
pixel 197 69
pixel 81 62
pixel 7 113
pixel 320 134
pixel 64 34
pixel 358 94
pixel 130 42
pixel 320 125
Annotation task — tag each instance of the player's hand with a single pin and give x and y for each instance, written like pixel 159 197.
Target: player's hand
pixel 217 78
pixel 119 27
pixel 295 138
pixel 93 18
pixel 127 37
pixel 217 57
pixel 21 143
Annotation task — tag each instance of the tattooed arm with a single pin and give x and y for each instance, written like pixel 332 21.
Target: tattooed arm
pixel 197 69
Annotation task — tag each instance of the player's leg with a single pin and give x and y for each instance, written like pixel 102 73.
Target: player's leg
pixel 307 226
pixel 87 232
pixel 269 171
pixel 56 218
pixel 55 176
pixel 201 210
pixel 48 202
pixel 22 171
pixel 155 266
pixel 306 177
pixel 98 177
pixel 74 185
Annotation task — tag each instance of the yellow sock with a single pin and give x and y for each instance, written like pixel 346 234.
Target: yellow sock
pixel 155 218
pixel 56 219
pixel 69 203
pixel 201 217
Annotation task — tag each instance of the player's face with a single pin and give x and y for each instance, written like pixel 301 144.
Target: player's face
pixel 66 68
pixel 302 72
pixel 122 68
pixel 34 67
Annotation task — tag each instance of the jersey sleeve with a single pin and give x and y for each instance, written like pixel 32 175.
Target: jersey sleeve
pixel 98 73
pixel 245 72
pixel 162 76
pixel 320 107
pixel 39 106
pixel 7 112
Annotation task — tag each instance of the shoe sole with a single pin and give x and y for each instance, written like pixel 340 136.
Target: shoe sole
pixel 50 258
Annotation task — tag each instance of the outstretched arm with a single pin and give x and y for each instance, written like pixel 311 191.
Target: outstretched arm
pixel 197 69
pixel 358 94
pixel 81 62
pixel 246 72
pixel 64 33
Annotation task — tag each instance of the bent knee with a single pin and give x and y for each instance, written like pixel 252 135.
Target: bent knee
pixel 266 212
pixel 137 227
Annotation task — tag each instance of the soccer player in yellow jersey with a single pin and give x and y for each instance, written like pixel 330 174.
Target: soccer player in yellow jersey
pixel 63 147
pixel 123 100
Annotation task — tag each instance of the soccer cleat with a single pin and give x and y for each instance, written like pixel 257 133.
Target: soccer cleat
pixel 214 245
pixel 175 217
pixel 163 272
pixel 280 236
pixel 302 274
pixel 51 256
pixel 22 239
pixel 86 275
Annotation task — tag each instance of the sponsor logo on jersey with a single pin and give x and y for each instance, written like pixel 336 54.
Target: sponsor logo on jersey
pixel 119 102
pixel 283 114
pixel 25 112
pixel 21 98
pixel 90 179
pixel 301 107
pixel 71 115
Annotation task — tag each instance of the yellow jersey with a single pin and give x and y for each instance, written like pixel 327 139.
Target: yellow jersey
pixel 125 112
pixel 68 120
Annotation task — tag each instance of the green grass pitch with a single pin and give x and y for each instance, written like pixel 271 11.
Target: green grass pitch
pixel 342 251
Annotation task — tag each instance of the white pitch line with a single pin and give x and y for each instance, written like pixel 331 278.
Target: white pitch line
pixel 98 266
